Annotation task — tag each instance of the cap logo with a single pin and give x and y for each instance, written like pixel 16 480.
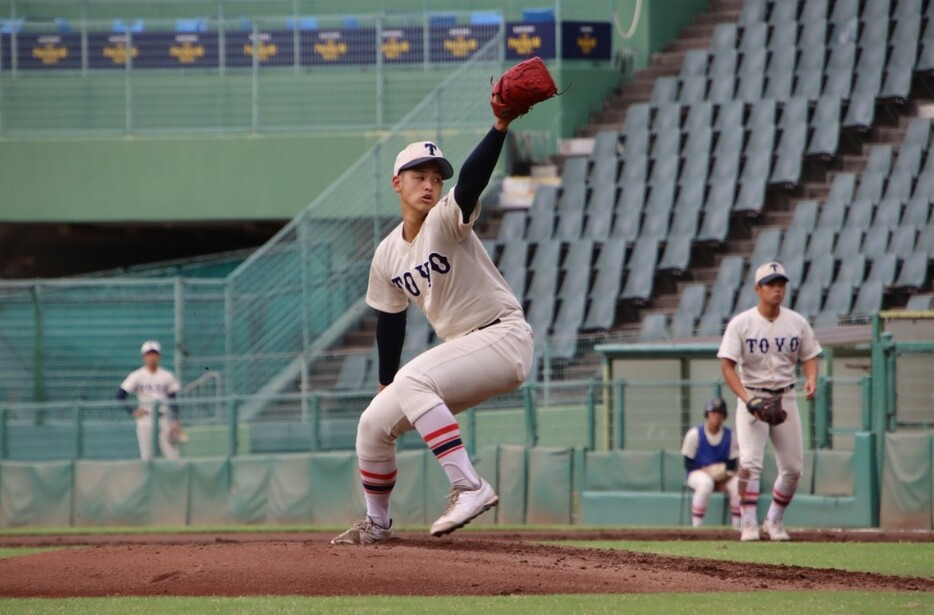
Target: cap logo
pixel 431 147
pixel 774 267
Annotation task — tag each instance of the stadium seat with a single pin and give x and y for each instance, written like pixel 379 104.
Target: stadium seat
pixel 352 372
pixel 831 215
pixel 641 277
pixel 720 303
pixel 723 64
pixel 716 224
pixel 914 272
pixel 826 123
pixel 604 171
pixel 749 87
pixel 920 303
pixel 634 170
pixel 848 242
pixel 694 63
pixel 301 23
pixel 808 299
pixel 696 169
pixel 677 254
pixel 636 120
pixel 661 198
pixel 514 255
pixel 685 218
pixel 766 247
pixel 663 173
pixel 804 216
pixel 665 90
pixel 605 145
pixel 539 315
pixel 898 187
pixel 606 286
pixel 852 270
pixel 859 215
pixel 753 11
pixel 730 273
pixel 879 160
pixel 870 185
pixel 654 327
pixel 699 116
pixel 541 220
pixel 821 270
pixel 577 261
pixel 820 243
pixel 917 212
pixel 666 146
pixel 754 37
pixel 721 88
pixel 838 303
pixel 711 325
pixel 926 240
pixel 909 159
pixel 860 113
pixel 691 302
pixel 883 269
pixel 569 225
pixel 723 37
pixel 868 300
pixel 888 214
pixel 794 243
pixel 903 241
pixel 545 255
pixel 574 173
pixel 666 117
pixel 924 186
pixel 511 227
pixel 813 10
pixel 918 133
pixel 751 197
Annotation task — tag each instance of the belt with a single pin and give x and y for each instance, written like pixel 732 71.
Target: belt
pixel 490 324
pixel 772 391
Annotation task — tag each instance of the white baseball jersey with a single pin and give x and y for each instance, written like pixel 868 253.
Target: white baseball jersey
pixel 151 387
pixel 766 351
pixel 445 271
pixel 692 441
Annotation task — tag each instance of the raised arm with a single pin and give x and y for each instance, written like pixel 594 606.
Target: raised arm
pixel 478 168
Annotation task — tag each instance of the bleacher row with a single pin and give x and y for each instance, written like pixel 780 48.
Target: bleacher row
pixel 781 50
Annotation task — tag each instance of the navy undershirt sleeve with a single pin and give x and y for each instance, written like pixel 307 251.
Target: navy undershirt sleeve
pixel 477 169
pixel 173 407
pixel 121 396
pixel 732 464
pixel 689 464
pixel 390 334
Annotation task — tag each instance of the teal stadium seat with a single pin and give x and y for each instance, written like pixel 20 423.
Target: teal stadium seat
pixel 723 37
pixel 654 328
pixel 869 299
pixel 883 270
pixel 512 226
pixel 694 63
pixel 804 215
pixel 352 371
pixel 914 272
pixel 920 303
pixel 677 255
pixel 813 10
pixel 909 159
pixel 640 278
pixel 766 247
pixel 852 270
pixel 665 90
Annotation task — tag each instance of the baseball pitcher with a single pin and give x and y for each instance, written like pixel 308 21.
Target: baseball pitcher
pixel 155 390
pixel 766 342
pixel 434 259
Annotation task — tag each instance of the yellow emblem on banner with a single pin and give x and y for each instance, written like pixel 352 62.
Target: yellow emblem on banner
pixel 186 53
pixel 118 53
pixel 330 50
pixel 460 47
pixel 394 48
pixel 264 51
pixel 524 44
pixel 586 43
pixel 49 54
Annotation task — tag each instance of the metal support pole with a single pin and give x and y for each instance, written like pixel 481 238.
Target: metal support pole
pixel 254 101
pixel 85 60
pixel 14 52
pixel 232 436
pixel 179 357
pixel 877 408
pixel 377 174
pixel 380 75
pixel 891 397
pixel 822 419
pixel 531 425
pixel 591 417
pixel 79 431
pixel 154 436
pixel 865 403
pixel 619 407
pixel 315 421
pixel 221 39
pixel 296 39
pixel 228 338
pixel 38 373
pixel 3 440
pixel 128 64
pixel 471 440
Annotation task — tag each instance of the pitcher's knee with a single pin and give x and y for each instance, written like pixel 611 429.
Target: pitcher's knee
pixel 374 440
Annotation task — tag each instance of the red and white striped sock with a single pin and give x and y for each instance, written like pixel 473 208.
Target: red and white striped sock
pixel 748 500
pixel 780 502
pixel 699 508
pixel 379 477
pixel 440 431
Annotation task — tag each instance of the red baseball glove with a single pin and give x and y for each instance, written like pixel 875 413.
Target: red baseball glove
pixel 520 87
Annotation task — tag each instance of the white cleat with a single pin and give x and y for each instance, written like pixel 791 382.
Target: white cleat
pixel 775 530
pixel 749 532
pixel 463 506
pixel 363 533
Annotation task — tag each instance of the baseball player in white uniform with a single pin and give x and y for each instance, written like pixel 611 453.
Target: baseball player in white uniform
pixel 155 389
pixel 766 342
pixel 435 260
pixel 710 459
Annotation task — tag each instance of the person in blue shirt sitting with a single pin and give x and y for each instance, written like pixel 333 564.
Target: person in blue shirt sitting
pixel 710 458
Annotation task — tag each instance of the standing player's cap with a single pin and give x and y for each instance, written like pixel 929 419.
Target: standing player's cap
pixel 420 152
pixel 715 404
pixel 770 272
pixel 150 346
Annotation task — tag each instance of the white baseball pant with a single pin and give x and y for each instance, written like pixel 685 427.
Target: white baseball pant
pixel 144 437
pixel 703 485
pixel 787 441
pixel 460 373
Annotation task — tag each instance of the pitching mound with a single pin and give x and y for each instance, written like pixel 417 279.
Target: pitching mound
pixel 465 564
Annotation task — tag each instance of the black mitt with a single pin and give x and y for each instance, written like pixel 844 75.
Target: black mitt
pixel 767 409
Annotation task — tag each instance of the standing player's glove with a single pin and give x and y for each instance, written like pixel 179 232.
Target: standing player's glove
pixel 767 409
pixel 520 87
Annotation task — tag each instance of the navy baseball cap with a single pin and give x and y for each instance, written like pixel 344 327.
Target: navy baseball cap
pixel 715 404
pixel 421 152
